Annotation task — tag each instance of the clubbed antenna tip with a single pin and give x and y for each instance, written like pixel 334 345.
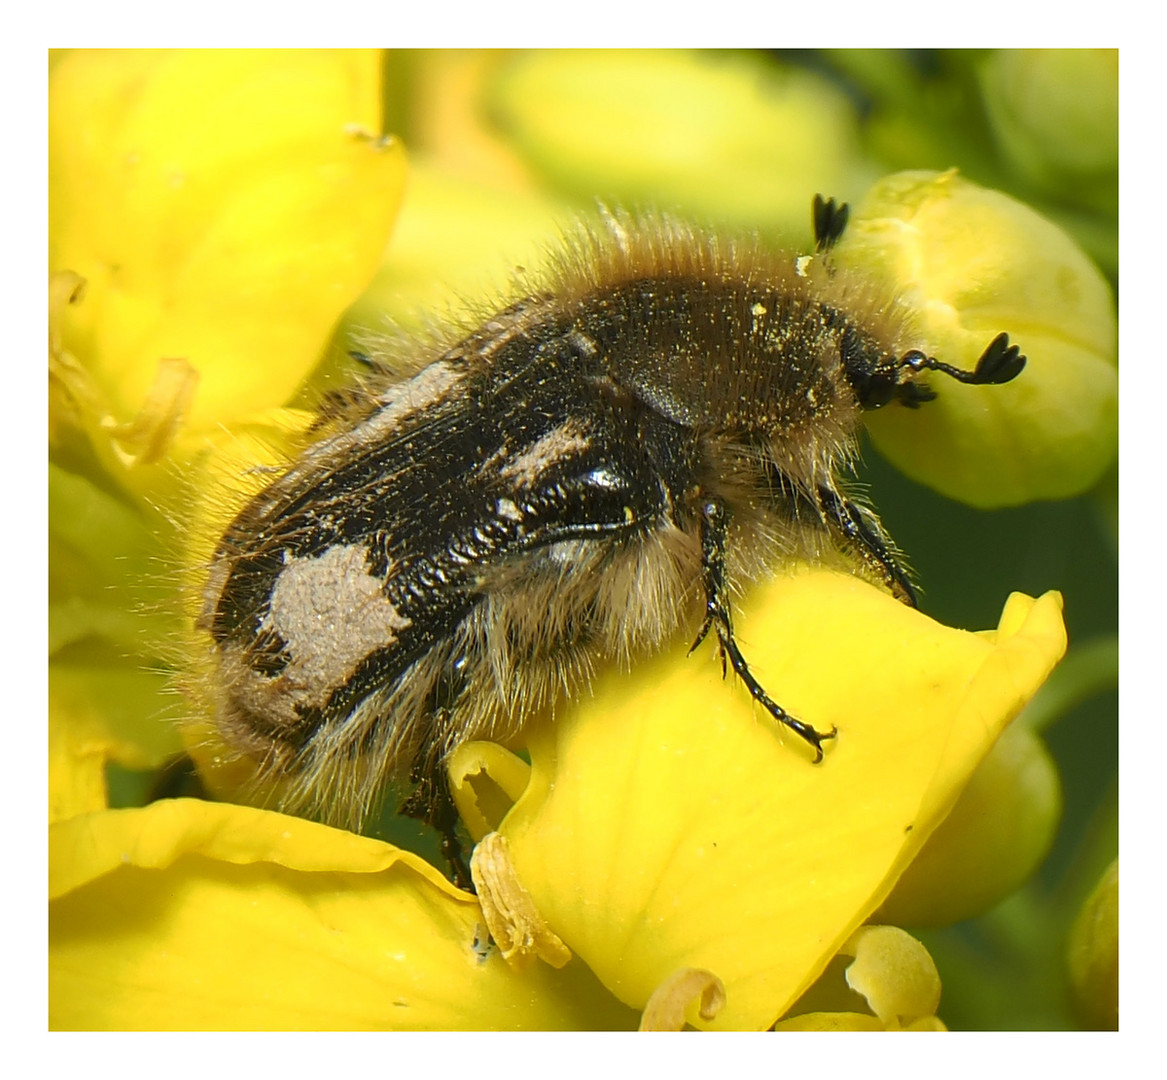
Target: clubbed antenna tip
pixel 999 363
pixel 830 222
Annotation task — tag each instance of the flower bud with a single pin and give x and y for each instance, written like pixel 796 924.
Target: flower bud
pixel 1093 955
pixel 1054 114
pixel 996 836
pixel 970 263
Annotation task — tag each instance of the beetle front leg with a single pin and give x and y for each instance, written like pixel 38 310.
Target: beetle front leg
pixel 714 532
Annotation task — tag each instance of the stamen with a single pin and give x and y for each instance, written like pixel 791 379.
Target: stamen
pixel 510 914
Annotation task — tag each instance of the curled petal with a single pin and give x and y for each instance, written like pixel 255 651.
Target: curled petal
pixel 486 780
pixel 666 1008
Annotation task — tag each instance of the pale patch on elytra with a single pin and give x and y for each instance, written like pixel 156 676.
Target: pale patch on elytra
pixel 427 387
pixel 554 448
pixel 332 613
pixel 425 390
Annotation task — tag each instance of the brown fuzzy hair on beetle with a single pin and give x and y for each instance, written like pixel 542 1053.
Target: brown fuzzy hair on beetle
pixel 583 475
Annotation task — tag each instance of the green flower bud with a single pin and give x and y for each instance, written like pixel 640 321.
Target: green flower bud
pixel 1093 955
pixel 996 836
pixel 1054 113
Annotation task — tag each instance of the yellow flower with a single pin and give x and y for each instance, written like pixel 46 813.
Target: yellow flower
pixel 193 915
pixel 221 208
pixel 212 214
pixel 665 827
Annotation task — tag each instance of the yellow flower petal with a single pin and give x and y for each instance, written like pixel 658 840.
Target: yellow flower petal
pixel 195 915
pixel 76 767
pixel 995 838
pixel 668 825
pixel 828 1021
pixel 103 567
pixel 86 849
pixel 223 208
pixel 102 711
